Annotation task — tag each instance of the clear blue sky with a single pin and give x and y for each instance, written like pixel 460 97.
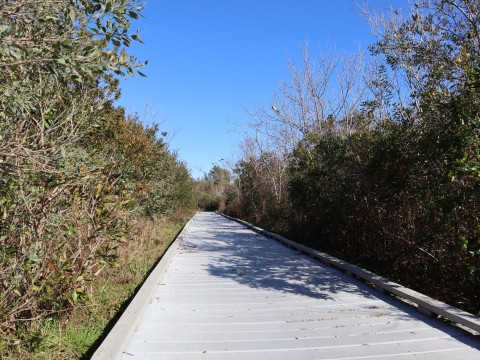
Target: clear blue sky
pixel 207 59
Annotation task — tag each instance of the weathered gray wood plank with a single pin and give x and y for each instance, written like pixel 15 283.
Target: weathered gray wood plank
pixel 425 303
pixel 230 293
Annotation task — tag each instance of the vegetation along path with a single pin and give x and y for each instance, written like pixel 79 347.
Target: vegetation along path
pixel 231 291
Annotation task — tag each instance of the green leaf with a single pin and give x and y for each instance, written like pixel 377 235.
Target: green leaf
pixel 6 251
pixel 137 38
pixel 77 78
pixel 108 7
pixel 34 258
pixel 133 14
pixel 116 42
pixel 72 15
pixel 62 151
pixel 95 52
pixel 61 61
pixel 74 297
pixel 141 74
pixel 35 288
pixel 13 52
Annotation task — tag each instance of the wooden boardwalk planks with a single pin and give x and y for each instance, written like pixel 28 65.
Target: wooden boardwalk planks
pixel 230 293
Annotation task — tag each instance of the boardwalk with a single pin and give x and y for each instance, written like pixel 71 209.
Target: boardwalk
pixel 230 293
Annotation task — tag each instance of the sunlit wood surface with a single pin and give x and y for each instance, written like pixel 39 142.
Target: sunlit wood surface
pixel 230 293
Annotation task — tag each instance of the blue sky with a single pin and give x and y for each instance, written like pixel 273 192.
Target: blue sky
pixel 208 59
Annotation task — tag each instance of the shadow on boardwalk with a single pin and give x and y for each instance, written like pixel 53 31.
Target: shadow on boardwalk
pixel 240 255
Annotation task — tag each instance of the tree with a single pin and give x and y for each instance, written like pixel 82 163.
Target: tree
pixel 431 51
pixel 393 183
pixel 55 72
pixel 62 208
pixel 219 176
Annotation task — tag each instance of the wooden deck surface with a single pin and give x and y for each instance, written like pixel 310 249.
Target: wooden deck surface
pixel 230 293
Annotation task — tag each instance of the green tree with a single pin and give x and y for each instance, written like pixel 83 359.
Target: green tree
pixel 219 176
pixel 61 216
pixel 431 49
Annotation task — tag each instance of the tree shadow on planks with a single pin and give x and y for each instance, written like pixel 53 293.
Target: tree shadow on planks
pixel 251 259
pixel 257 262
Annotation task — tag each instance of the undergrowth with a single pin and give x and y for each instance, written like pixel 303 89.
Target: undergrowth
pixel 76 335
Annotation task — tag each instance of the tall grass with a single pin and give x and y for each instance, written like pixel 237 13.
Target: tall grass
pixel 77 334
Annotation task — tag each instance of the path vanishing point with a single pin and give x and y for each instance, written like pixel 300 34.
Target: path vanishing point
pixel 224 291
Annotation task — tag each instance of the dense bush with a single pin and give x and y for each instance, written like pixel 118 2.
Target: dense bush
pixel 401 200
pixel 399 192
pixel 74 169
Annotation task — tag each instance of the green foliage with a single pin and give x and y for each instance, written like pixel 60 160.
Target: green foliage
pixel 74 170
pixel 401 200
pixel 216 189
pixel 72 40
pixel 219 176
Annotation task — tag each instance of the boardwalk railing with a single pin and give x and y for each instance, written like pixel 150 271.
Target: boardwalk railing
pixel 425 304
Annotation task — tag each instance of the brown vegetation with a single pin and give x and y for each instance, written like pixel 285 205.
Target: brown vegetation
pixel 388 176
